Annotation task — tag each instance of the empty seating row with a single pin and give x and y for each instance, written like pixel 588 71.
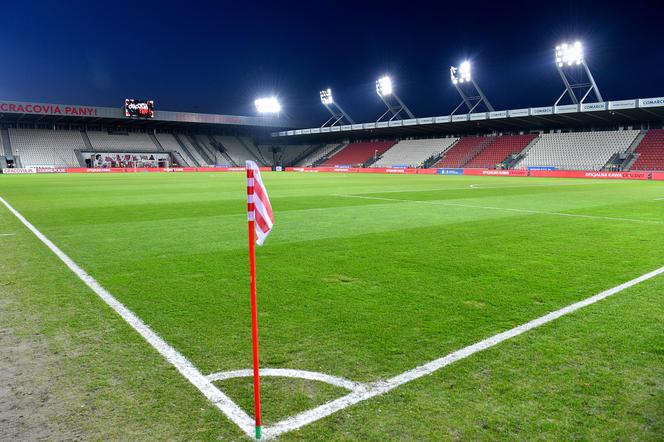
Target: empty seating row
pixel 206 144
pixel 356 154
pixel 499 149
pixel 465 149
pixel 121 142
pixel 236 149
pixel 310 159
pixel 412 153
pixel 577 150
pixel 170 144
pixel 285 155
pixel 42 147
pixel 650 151
pixel 193 152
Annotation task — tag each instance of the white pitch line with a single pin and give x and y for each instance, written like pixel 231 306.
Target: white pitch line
pixel 182 364
pixel 383 387
pixel 659 199
pixel 481 186
pixel 290 373
pixel 6 234
pixel 506 209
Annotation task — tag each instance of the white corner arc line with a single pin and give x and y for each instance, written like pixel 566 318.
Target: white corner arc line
pixel 182 364
pixel 290 373
pixel 379 388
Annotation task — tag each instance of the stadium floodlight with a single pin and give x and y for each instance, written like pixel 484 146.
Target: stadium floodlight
pixel 384 86
pixel 267 105
pixel 395 107
pixel 472 96
pixel 339 116
pixel 572 67
pixel 460 74
pixel 326 96
pixel 569 54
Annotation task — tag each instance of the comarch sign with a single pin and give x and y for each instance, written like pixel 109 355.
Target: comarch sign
pixel 651 102
pixel 591 107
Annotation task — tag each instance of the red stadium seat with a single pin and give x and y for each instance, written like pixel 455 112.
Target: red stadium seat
pixel 356 154
pixel 651 151
pixel 501 148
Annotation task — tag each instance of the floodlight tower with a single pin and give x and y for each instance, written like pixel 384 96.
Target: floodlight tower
pixel 472 96
pixel 338 114
pixel 395 107
pixel 571 65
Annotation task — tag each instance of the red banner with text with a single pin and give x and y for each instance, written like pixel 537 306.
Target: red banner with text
pixel 494 172
pixel 590 174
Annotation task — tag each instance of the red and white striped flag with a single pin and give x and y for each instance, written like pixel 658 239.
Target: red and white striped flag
pixel 258 203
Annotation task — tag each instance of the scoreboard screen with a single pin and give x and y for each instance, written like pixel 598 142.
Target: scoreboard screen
pixel 139 108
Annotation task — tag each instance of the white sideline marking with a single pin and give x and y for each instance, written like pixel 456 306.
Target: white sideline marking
pixel 480 186
pixel 507 209
pixel 186 368
pixel 380 388
pixel 6 234
pixel 659 199
pixel 290 373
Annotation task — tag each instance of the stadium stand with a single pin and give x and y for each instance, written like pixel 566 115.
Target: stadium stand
pixel 121 142
pixel 413 153
pixel 577 150
pixel 317 155
pixel 463 151
pixel 286 154
pixel 235 149
pixel 249 144
pixel 650 151
pixel 170 144
pixel 499 149
pixel 40 147
pixel 205 143
pixel 191 150
pixel 356 154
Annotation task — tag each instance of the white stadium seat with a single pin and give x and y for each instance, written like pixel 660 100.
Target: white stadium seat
pixel 317 155
pixel 43 147
pixel 235 149
pixel 412 153
pixel 577 150
pixel 128 142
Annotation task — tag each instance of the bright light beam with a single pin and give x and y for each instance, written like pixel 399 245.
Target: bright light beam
pixel 384 86
pixel 569 54
pixel 326 96
pixel 267 105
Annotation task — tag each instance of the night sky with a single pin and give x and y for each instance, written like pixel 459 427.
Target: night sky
pixel 218 56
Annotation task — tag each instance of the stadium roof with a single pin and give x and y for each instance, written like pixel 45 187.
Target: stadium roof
pixel 610 113
pixel 30 112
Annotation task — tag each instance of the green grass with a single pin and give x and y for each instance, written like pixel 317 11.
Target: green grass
pixel 364 276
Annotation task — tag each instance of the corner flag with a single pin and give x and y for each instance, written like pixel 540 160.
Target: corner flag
pixel 258 203
pixel 260 219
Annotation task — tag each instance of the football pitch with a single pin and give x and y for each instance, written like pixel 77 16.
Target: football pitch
pixel 364 278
